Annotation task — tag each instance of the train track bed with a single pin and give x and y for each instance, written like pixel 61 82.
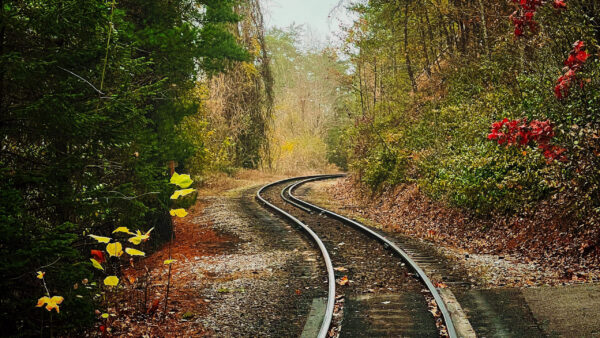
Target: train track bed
pixel 266 284
pixel 490 311
pixel 377 295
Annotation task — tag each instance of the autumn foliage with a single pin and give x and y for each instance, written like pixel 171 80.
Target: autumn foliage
pixel 573 64
pixel 521 133
pixel 524 16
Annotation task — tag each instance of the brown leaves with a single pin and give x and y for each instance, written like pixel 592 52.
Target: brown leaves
pixel 525 241
pixel 343 281
pixel 441 285
pixel 152 309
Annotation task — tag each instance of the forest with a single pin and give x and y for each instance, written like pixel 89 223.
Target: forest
pixel 489 107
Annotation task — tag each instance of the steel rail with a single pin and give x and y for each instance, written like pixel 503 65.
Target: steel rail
pixel 330 275
pixel 283 197
pixel 386 242
pixel 299 206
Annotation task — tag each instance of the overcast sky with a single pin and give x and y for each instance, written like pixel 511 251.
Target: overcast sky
pixel 313 13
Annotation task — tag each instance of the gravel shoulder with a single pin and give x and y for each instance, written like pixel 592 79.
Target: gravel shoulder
pixel 240 272
pixel 265 287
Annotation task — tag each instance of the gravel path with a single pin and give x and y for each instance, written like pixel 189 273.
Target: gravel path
pixel 266 284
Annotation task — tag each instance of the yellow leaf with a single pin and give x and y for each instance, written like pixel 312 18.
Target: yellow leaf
pixel 51 303
pixel 182 192
pixel 122 229
pixel 114 249
pixel 135 240
pixel 100 239
pixel 111 280
pixel 40 274
pixel 183 181
pixel 42 301
pixel 169 261
pixel 134 252
pixel 96 264
pixel 178 212
pixel 139 237
pixel 105 315
pixel 343 281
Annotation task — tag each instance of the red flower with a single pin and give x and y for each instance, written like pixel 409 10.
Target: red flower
pixel 574 62
pixel 582 56
pixel 552 153
pixel 521 133
pixel 524 16
pixel 518 31
pixel 529 15
pixel 570 61
pixel 559 4
pixel 99 256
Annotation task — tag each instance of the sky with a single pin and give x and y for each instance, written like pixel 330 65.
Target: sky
pixel 315 14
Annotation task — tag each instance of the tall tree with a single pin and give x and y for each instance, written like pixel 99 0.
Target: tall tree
pixel 91 91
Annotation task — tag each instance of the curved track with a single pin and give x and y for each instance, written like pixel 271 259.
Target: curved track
pixel 380 251
pixel 329 266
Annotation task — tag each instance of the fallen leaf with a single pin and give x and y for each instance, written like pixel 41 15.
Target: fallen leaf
pixel 153 308
pixel 111 280
pixel 441 285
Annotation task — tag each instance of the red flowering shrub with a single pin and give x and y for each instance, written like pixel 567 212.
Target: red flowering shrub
pixel 559 4
pixel 521 133
pixel 523 17
pixel 574 62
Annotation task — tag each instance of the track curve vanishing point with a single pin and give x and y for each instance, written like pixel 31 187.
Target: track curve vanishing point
pixel 329 266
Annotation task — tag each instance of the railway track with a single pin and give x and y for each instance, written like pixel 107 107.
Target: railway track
pixel 380 289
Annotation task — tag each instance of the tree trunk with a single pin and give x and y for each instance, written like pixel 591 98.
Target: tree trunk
pixel 424 46
pixel 484 28
pixel 374 82
pixel 409 69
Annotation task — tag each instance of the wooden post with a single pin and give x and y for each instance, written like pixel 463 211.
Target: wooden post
pixel 171 167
